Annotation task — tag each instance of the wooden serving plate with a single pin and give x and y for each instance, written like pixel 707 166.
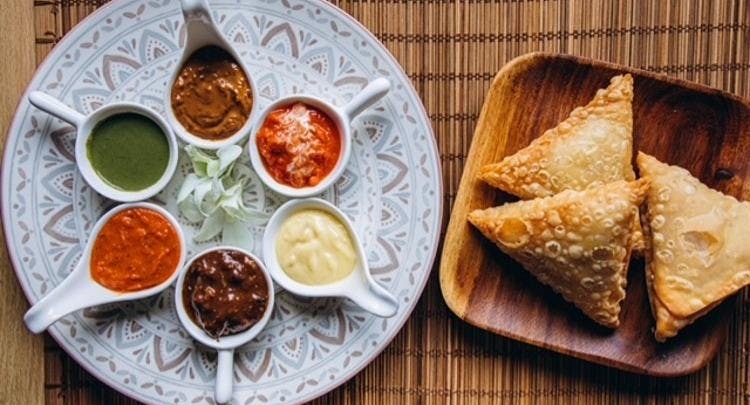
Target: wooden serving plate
pixel 701 129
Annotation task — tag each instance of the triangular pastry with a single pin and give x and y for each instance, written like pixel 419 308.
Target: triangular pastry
pixel 577 242
pixel 592 147
pixel 698 252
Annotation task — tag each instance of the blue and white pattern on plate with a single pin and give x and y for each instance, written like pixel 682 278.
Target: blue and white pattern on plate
pixel 391 190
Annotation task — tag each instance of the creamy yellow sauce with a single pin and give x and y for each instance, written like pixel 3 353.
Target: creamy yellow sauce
pixel 313 247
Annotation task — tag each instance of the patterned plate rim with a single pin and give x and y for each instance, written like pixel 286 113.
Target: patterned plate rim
pixel 15 123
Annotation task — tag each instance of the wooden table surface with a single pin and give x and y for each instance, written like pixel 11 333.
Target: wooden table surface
pixel 450 49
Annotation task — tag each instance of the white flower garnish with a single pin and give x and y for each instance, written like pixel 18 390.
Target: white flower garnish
pixel 212 195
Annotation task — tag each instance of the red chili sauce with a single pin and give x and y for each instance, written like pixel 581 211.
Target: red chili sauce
pixel 136 249
pixel 299 145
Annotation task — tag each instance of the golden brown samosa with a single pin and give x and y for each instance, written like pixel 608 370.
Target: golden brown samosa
pixel 698 252
pixel 592 147
pixel 577 242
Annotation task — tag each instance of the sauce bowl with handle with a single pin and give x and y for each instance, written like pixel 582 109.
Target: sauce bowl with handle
pixel 79 290
pixel 201 31
pixel 85 125
pixel 224 345
pixel 341 116
pixel 359 286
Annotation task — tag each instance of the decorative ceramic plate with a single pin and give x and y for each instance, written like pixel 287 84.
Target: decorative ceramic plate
pixel 391 191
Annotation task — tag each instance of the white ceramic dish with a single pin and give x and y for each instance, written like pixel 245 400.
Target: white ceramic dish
pixel 79 290
pixel 359 286
pixel 86 123
pixel 200 31
pixel 224 345
pixel 342 116
pixel 391 189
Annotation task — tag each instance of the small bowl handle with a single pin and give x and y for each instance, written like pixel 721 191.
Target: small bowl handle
pixel 373 298
pixel 45 102
pixel 72 294
pixel 374 91
pixel 224 376
pixel 192 9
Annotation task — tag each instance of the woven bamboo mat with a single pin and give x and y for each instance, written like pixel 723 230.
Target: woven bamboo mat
pixel 451 51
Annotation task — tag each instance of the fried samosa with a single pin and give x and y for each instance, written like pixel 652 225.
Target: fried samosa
pixel 697 251
pixel 592 147
pixel 577 242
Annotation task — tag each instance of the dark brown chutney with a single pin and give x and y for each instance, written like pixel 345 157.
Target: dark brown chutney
pixel 225 292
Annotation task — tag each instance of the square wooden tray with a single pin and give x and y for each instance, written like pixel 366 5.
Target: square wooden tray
pixel 701 129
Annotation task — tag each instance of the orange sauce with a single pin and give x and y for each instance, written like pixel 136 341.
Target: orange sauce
pixel 299 145
pixel 136 249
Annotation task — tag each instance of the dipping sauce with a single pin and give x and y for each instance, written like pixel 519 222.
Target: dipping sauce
pixel 136 249
pixel 225 292
pixel 314 248
pixel 211 96
pixel 128 151
pixel 299 145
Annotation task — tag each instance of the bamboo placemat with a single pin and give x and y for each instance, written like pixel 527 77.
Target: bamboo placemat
pixel 451 50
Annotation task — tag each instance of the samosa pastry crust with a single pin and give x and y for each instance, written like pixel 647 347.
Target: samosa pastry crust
pixel 592 147
pixel 698 251
pixel 667 325
pixel 577 242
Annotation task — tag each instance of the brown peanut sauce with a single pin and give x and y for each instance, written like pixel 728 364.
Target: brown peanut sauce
pixel 225 292
pixel 211 96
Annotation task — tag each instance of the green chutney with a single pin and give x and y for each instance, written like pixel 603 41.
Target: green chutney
pixel 128 151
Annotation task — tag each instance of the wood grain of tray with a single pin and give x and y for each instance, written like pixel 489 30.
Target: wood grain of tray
pixel 699 128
